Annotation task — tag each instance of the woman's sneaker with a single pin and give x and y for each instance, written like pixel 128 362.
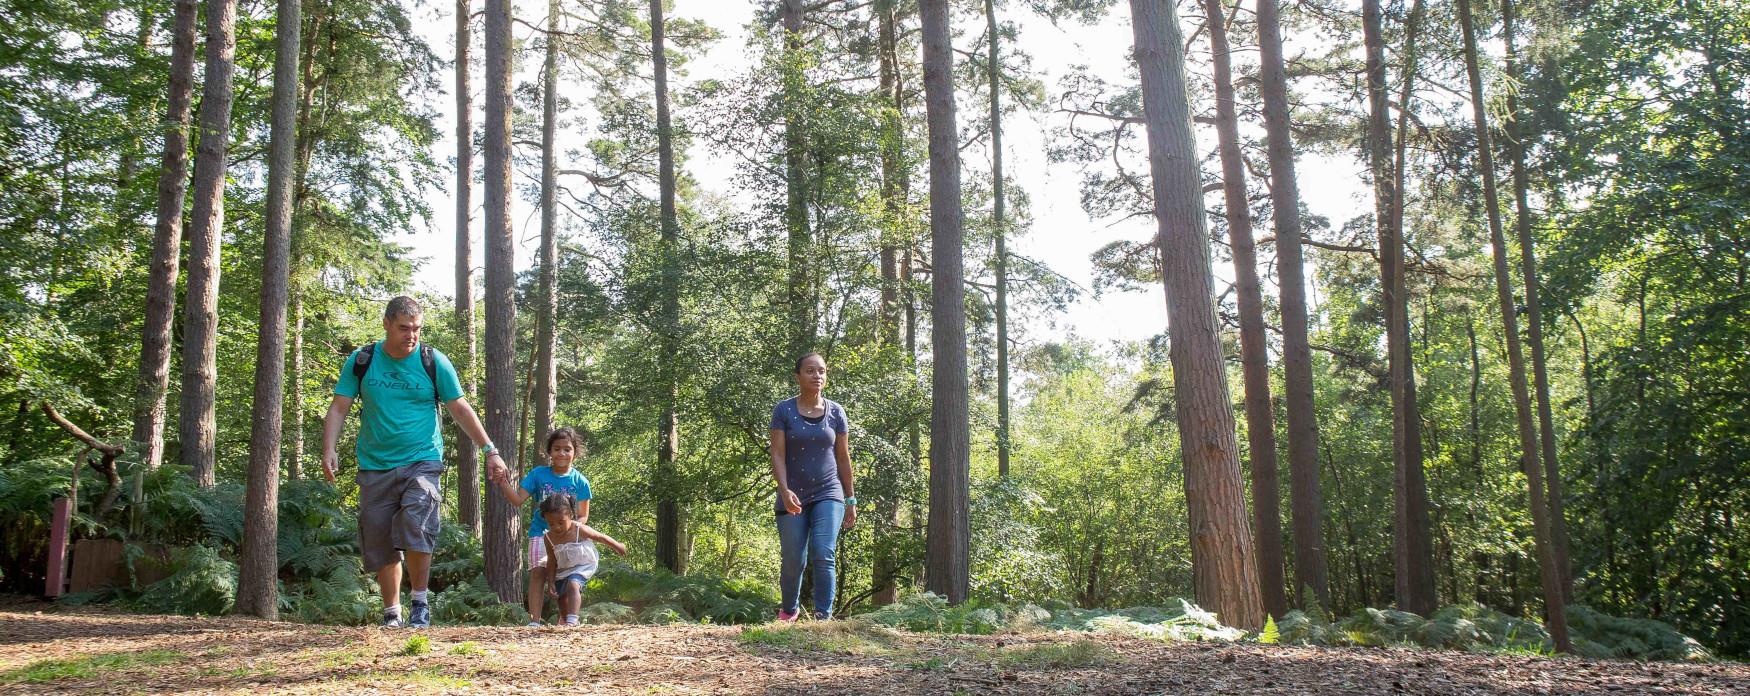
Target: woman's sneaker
pixel 789 616
pixel 420 616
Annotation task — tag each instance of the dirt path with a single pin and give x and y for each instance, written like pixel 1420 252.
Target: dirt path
pixel 59 650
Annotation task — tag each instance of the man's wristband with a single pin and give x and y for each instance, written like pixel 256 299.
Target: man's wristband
pixel 851 501
pixel 488 449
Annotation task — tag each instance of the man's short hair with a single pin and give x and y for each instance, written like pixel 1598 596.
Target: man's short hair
pixel 402 306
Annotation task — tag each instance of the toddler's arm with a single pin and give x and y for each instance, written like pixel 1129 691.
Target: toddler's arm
pixel 597 536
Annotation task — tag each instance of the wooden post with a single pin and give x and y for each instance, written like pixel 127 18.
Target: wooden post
pixel 60 517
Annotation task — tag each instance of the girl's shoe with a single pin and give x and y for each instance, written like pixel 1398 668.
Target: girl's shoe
pixel 789 616
pixel 536 624
pixel 571 620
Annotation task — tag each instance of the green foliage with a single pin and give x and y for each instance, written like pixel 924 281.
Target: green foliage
pixel 1599 635
pixel 842 637
pixel 416 645
pixel 475 603
pixel 1072 655
pixel 1270 635
pixel 202 582
pixel 669 598
pixel 85 667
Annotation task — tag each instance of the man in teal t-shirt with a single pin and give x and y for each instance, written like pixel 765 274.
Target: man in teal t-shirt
pixel 400 452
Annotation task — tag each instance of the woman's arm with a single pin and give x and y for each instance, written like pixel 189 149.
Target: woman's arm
pixel 841 449
pixel 788 497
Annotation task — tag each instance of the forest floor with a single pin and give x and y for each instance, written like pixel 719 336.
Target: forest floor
pixel 45 648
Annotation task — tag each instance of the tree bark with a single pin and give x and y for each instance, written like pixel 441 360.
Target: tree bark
pixel 468 472
pixel 1412 540
pixel 258 562
pixel 895 186
pixel 295 372
pixel 1305 496
pixel 155 341
pixel 1001 255
pixel 802 304
pixel 197 420
pixel 547 301
pixel 1555 618
pixel 1224 570
pixel 499 534
pixel 1254 346
pixel 949 547
pixel 1534 315
pixel 670 519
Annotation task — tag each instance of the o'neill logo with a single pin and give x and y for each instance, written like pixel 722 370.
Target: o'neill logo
pixel 393 379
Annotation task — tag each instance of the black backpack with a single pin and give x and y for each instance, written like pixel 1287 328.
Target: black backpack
pixel 427 359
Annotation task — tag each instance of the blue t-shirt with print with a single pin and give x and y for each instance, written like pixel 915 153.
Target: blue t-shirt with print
pixel 398 421
pixel 541 482
pixel 810 466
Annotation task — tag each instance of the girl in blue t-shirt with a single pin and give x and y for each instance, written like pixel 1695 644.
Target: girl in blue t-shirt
pixel 557 478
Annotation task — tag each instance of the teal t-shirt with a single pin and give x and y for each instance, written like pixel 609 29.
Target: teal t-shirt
pixel 398 420
pixel 541 482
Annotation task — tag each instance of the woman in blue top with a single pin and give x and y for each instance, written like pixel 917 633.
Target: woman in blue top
pixel 811 461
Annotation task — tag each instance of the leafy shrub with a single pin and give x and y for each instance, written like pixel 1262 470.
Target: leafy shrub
pixel 475 603
pixel 202 583
pixel 607 613
pixel 1599 635
pixel 720 600
pixel 664 614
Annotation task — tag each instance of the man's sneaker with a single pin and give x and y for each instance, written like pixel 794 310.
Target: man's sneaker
pixel 420 616
pixel 392 618
pixel 789 616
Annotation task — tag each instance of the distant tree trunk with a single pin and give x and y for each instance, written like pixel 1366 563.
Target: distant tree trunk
pixel 1306 499
pixel 1224 571
pixel 800 294
pixel 198 423
pixel 1254 347
pixel 1413 542
pixel 295 368
pixel 468 473
pixel 670 518
pixel 1554 608
pixel 1001 256
pixel 155 342
pixel 1558 523
pixel 499 534
pixel 895 184
pixel 258 563
pixel 950 538
pixel 547 301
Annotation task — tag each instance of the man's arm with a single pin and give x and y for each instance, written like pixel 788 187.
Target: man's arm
pixel 465 418
pixel 331 427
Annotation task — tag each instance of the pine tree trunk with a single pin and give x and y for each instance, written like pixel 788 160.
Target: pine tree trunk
pixel 947 567
pixel 295 371
pixel 1224 570
pixel 499 533
pixel 1558 522
pixel 547 301
pixel 468 471
pixel 1001 256
pixel 197 420
pixel 670 518
pixel 155 342
pixel 800 293
pixel 1412 540
pixel 1306 499
pixel 1254 348
pixel 1555 618
pixel 258 563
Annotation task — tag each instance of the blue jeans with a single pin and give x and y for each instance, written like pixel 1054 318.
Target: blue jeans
pixel 811 537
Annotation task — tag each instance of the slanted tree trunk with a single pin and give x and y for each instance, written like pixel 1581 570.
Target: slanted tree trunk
pixel 1412 540
pixel 947 566
pixel 468 472
pixel 155 340
pixel 1555 618
pixel 670 520
pixel 895 184
pixel 1558 523
pixel 547 301
pixel 1224 570
pixel 258 563
pixel 1001 256
pixel 197 420
pixel 499 534
pixel 1306 500
pixel 1254 349
pixel 800 289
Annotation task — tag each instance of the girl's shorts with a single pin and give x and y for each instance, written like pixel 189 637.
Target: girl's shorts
pixel 537 552
pixel 579 578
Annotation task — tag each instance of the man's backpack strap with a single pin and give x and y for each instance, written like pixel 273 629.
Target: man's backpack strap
pixel 361 362
pixel 428 358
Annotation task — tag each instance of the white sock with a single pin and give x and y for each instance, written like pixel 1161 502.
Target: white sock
pixel 570 618
pixel 419 595
pixel 392 610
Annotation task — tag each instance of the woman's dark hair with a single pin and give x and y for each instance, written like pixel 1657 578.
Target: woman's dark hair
pixel 565 434
pixel 556 502
pixel 805 358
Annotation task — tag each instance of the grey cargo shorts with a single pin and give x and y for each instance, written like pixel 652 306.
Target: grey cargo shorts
pixel 399 510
